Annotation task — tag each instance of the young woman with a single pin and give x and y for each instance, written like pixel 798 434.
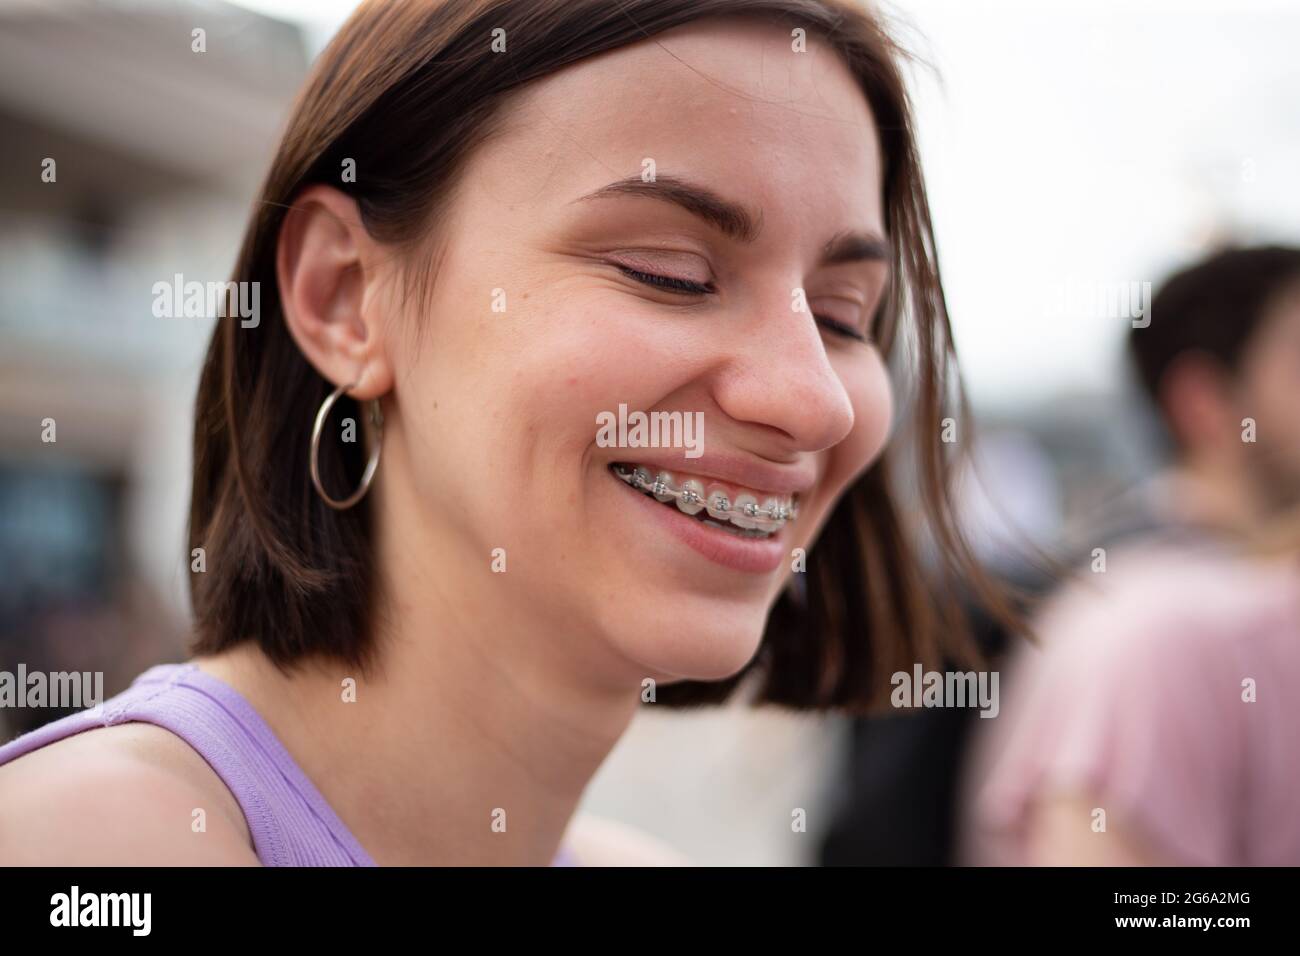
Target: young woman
pixel 433 595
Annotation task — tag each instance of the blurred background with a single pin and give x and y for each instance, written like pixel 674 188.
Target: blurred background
pixel 1071 148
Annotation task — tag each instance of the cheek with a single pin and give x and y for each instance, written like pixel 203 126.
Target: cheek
pixel 1283 390
pixel 588 356
pixel 872 398
pixel 1271 399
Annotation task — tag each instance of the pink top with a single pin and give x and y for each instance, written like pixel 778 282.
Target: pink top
pixel 290 822
pixel 1138 699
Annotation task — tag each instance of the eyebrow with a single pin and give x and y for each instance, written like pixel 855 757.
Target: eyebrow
pixel 735 220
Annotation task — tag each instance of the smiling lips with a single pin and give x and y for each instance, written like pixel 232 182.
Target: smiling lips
pixel 739 511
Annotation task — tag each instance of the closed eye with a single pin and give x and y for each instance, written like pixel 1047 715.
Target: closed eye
pixel 839 328
pixel 687 287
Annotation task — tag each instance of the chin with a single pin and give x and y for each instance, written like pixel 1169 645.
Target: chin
pixel 692 639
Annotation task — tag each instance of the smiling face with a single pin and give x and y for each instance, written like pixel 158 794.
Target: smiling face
pixel 571 287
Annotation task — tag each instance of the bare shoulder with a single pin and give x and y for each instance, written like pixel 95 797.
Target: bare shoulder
pixel 132 794
pixel 599 841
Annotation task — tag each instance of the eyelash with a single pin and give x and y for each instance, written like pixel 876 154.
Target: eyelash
pixel 685 286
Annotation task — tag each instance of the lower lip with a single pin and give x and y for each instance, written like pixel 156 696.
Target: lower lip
pixel 752 555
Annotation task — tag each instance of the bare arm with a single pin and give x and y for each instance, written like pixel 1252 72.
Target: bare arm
pixel 1061 834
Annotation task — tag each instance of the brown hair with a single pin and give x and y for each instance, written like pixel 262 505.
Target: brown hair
pixel 407 89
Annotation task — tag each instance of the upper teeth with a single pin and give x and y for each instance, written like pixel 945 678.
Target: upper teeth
pixel 691 498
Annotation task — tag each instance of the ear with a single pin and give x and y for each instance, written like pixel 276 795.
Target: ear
pixel 1195 394
pixel 330 273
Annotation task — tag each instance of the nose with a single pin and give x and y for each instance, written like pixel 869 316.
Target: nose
pixel 777 374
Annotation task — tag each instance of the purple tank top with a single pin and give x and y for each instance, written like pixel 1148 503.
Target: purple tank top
pixel 290 822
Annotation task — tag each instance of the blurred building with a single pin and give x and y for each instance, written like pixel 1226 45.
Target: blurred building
pixel 128 157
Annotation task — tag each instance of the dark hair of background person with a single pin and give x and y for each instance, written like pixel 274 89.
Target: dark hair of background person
pixel 1213 307
pixel 408 89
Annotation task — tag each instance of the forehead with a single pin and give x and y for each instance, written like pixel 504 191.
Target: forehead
pixel 727 103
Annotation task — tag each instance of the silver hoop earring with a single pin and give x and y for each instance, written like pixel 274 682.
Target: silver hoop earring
pixel 376 418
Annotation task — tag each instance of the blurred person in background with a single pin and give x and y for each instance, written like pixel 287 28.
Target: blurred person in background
pixel 1155 722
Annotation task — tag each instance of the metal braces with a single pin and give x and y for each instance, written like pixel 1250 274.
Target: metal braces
pixel 720 503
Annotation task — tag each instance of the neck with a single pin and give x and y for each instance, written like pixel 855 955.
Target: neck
pixel 445 757
pixel 474 733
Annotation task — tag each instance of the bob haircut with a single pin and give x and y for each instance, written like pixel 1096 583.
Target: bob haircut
pixel 407 89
